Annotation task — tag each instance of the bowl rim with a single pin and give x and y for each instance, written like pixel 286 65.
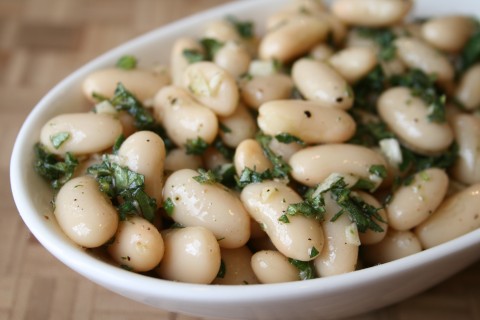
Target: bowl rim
pixel 102 272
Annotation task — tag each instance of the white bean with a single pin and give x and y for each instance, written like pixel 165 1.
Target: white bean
pixel 187 247
pixel 144 153
pixel 371 13
pixel 237 127
pixel 209 205
pixel 467 92
pixel 80 133
pixel 249 154
pixel 414 203
pixel 448 33
pixel 354 63
pixel 184 119
pixel 456 216
pixel 307 120
pixel 467 135
pixel 300 238
pixel 317 81
pixel 271 266
pixel 178 61
pixel 261 89
pixel 237 267
pixel 138 245
pixel 312 165
pixel 177 159
pixel 407 117
pixel 85 213
pixel 212 86
pixel 233 58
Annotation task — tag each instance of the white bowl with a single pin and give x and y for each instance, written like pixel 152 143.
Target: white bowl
pixel 324 298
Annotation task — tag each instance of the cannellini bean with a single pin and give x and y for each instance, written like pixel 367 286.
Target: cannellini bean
pixel 270 266
pixel 137 245
pixel 467 135
pixel 456 216
pixel 448 33
pixel 340 252
pixel 395 245
pixel 354 63
pixel 284 150
pixel 184 119
pixel 141 83
pixel 414 203
pixel 144 153
pixel 212 86
pixel 187 247
pixel 467 92
pixel 261 89
pixel 80 133
pixel 237 267
pixel 237 127
pixel 233 58
pixel 317 81
pixel 249 154
pixel 321 52
pixel 209 205
pixel 178 62
pixel 312 165
pixel 415 53
pixel 177 159
pixel 307 120
pixel 293 38
pixel 371 236
pixel 84 213
pixel 407 117
pixel 301 238
pixel 371 13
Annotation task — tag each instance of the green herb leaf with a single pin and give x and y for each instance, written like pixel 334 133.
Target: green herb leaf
pixel 59 138
pixel 379 170
pixel 287 138
pixel 314 252
pixel 244 28
pixel 52 168
pixel 127 62
pixel 283 218
pixel 211 47
pixel 305 268
pixel 193 55
pixel 384 37
pixel 197 146
pixel 206 177
pixel 169 206
pixel 118 143
pixel 222 270
pixel 125 188
pixel 313 206
pixel 471 51
pixel 249 176
pixel 281 169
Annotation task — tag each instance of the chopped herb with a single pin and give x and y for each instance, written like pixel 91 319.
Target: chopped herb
pixel 283 218
pixel 249 176
pixel 206 177
pixel 169 206
pixel 197 146
pixel 59 138
pixel 222 270
pixel 313 205
pixel 384 37
pixel 471 51
pixel 287 138
pixel 127 62
pixel 244 28
pixel 226 174
pixel 52 168
pixel 125 267
pixel 226 151
pixel 367 89
pixel 379 170
pixel 313 252
pixel 118 143
pixel 224 128
pixel 305 268
pixel 125 188
pixel 193 55
pixel 281 169
pixel 365 184
pixel 126 101
pixel 211 47
pixel 98 97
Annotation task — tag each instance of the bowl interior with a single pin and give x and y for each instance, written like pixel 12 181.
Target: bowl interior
pixel 33 196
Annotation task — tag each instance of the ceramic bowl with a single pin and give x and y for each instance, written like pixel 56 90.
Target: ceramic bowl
pixel 324 298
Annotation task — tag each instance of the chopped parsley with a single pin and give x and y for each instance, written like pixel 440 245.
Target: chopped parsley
pixel 193 55
pixel 287 138
pixel 249 176
pixel 244 28
pixel 196 146
pixel 222 270
pixel 210 48
pixel 169 206
pixel 127 62
pixel 53 168
pixel 281 169
pixel 125 188
pixel 306 269
pixel 59 138
pixel 384 38
pixel 471 51
pixel 379 170
pixel 206 177
pixel 118 143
